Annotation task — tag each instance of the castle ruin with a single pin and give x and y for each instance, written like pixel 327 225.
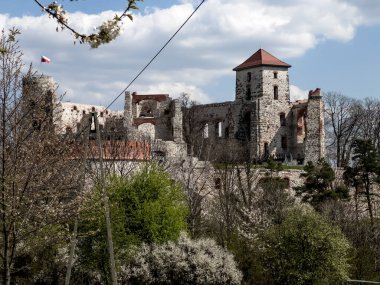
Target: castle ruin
pixel 260 123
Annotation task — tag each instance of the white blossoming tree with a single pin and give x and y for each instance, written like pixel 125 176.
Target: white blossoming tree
pixel 38 173
pixel 105 33
pixel 183 262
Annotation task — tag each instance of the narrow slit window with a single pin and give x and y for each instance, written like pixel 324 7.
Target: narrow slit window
pixel 284 142
pixel 218 129
pixel 266 150
pixel 275 92
pixel 248 93
pixel 205 131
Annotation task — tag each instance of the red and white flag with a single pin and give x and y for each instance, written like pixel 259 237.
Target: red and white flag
pixel 45 59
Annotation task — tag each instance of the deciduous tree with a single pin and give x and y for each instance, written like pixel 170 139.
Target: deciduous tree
pixel 146 207
pixel 38 169
pixel 184 262
pixel 306 249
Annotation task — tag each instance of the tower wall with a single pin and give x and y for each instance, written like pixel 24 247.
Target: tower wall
pixel 39 101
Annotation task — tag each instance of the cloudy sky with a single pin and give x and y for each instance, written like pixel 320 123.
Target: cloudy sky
pixel 331 44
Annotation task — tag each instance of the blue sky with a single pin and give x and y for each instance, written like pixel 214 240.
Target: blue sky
pixel 331 44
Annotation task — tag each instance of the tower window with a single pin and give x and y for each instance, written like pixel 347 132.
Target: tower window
pixel 275 92
pixel 227 132
pixel 249 76
pixel 275 75
pixel 248 93
pixel 266 150
pixel 282 119
pixel 218 129
pixel 218 183
pixel 205 131
pixel 284 142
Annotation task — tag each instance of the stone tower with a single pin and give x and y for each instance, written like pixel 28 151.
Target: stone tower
pixel 263 81
pixel 315 135
pixel 39 100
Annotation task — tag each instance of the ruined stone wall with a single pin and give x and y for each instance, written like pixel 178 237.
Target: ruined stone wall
pixel 221 130
pixel 297 130
pixel 315 131
pixel 39 101
pixel 70 116
pixel 176 121
pixel 217 118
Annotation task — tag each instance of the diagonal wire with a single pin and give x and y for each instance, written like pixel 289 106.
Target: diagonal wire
pixel 156 55
pixel 145 67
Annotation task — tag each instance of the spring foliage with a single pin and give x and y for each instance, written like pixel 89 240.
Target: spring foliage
pixel 183 262
pixel 147 207
pixel 306 249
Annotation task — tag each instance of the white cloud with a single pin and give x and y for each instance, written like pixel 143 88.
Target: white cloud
pixel 175 89
pixel 221 35
pixel 297 93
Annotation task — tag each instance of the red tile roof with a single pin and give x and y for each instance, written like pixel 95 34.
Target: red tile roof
pixel 260 58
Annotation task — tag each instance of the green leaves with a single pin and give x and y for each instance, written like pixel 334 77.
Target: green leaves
pixel 154 206
pixel 306 249
pixel 146 207
pixel 318 186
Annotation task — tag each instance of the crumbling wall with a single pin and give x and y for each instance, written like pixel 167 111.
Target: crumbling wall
pixel 315 131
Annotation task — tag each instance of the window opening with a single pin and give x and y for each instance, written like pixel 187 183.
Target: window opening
pixel 205 131
pixel 275 92
pixel 218 129
pixel 227 132
pixel 218 183
pixel 266 150
pixel 284 142
pixel 248 93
